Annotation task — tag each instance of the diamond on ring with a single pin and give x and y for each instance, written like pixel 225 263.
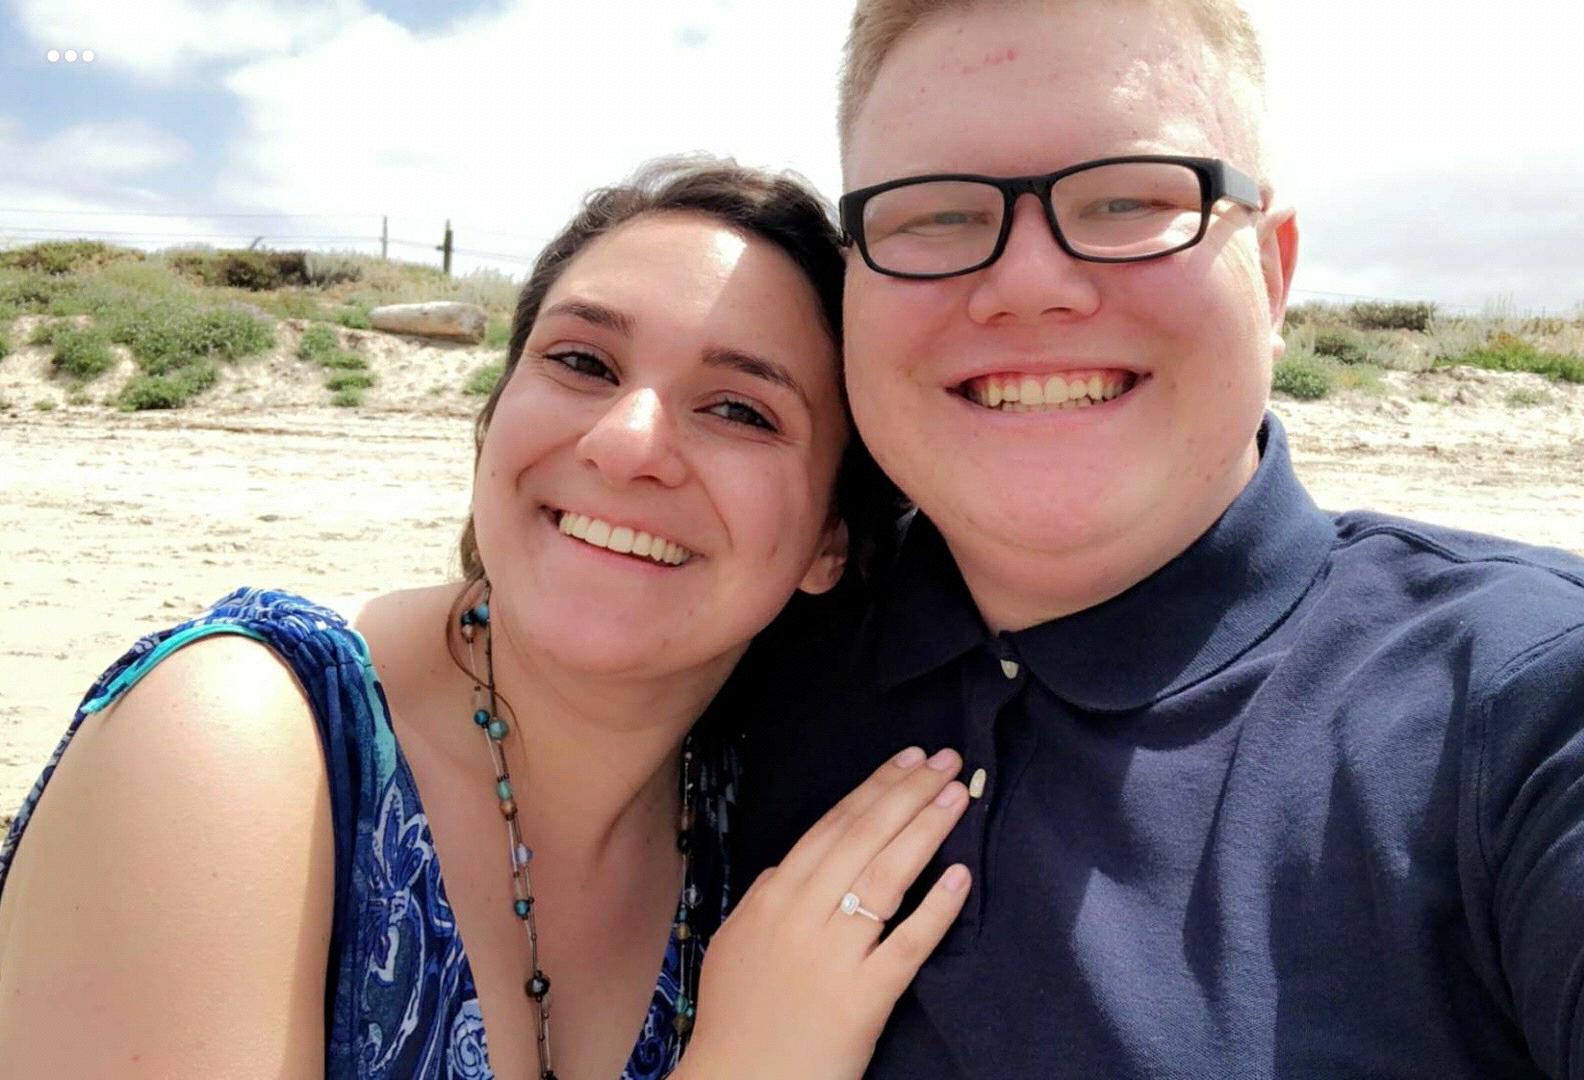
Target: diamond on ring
pixel 851 905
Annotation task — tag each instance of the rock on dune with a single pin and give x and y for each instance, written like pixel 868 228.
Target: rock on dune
pixel 439 319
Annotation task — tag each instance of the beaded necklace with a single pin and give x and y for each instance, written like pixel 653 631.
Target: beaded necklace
pixel 475 629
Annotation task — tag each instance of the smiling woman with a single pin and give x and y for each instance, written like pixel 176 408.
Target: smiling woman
pixel 665 460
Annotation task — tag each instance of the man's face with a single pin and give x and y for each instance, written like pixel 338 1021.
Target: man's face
pixel 1117 488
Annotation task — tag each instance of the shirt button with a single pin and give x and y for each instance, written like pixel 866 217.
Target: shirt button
pixel 1009 668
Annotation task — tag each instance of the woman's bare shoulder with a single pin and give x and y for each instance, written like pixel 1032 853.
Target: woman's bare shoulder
pixel 176 881
pixel 405 631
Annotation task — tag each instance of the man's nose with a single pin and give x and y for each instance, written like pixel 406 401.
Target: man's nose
pixel 634 440
pixel 1033 277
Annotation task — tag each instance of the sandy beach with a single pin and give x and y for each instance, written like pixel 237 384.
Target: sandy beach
pixel 117 524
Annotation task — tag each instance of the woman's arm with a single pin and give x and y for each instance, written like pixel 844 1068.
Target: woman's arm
pixel 170 904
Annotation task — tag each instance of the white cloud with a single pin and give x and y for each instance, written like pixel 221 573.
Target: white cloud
pixel 92 156
pixel 85 181
pixel 158 38
pixel 1432 150
pixel 503 121
pixel 114 151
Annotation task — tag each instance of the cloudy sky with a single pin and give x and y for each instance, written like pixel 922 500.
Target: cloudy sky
pixel 1435 151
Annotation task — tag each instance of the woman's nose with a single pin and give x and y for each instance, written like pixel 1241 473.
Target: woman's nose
pixel 634 440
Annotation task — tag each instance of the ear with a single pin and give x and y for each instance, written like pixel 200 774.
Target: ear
pixel 826 569
pixel 1278 236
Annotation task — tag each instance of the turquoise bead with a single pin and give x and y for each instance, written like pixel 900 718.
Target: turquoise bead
pixel 522 907
pixel 481 718
pixel 503 789
pixel 497 729
pixel 684 1007
pixel 481 613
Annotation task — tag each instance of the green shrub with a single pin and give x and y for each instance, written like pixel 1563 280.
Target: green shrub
pixel 290 305
pixel 255 271
pixel 32 292
pixel 353 317
pixel 79 397
pixel 341 360
pixel 1341 346
pixel 1304 376
pixel 44 404
pixel 349 380
pixel 482 382
pixel 323 269
pixel 170 335
pixel 170 391
pixel 318 341
pixel 347 398
pixel 1365 378
pixel 497 333
pixel 44 333
pixel 1312 312
pixel 153 278
pixel 81 353
pixel 1523 398
pixel 5 343
pixel 1392 315
pixel 321 346
pixel 57 257
pixel 1506 352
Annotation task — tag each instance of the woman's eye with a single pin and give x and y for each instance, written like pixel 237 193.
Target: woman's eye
pixel 582 363
pixel 739 412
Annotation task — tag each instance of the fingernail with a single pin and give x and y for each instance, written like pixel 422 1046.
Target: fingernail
pixel 909 758
pixel 955 879
pixel 950 795
pixel 943 760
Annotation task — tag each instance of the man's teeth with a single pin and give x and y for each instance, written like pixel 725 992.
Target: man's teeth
pixel 1026 393
pixel 621 539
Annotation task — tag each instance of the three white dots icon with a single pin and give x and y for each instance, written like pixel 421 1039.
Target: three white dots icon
pixel 71 56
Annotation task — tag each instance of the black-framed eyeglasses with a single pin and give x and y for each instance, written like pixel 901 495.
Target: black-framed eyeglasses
pixel 1114 210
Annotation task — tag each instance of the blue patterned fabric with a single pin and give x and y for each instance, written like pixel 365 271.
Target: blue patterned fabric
pixel 400 1000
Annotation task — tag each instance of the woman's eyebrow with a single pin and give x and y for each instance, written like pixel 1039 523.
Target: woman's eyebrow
pixel 590 312
pixel 757 366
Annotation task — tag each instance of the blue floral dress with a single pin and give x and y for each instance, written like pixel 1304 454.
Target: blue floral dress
pixel 399 1000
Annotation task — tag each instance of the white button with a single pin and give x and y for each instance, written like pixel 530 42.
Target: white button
pixel 976 785
pixel 1009 668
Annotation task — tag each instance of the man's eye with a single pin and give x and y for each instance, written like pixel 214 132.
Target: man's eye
pixel 582 363
pixel 1124 208
pixel 943 221
pixel 739 412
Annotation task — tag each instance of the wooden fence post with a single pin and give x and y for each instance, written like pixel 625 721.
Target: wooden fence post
pixel 385 237
pixel 445 250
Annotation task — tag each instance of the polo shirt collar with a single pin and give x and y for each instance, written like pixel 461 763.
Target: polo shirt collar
pixel 1188 620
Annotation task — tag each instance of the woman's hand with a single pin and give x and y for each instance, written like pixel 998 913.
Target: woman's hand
pixel 795 986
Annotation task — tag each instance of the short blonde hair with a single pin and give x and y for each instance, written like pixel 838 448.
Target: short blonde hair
pixel 877 26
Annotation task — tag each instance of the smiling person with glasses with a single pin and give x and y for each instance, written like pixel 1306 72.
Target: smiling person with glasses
pixel 1259 790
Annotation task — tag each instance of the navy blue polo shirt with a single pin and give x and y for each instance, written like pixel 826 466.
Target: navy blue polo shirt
pixel 1307 802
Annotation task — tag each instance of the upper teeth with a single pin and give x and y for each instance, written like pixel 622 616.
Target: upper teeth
pixel 1016 393
pixel 620 538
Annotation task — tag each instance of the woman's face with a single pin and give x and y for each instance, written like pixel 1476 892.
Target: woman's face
pixel 677 398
